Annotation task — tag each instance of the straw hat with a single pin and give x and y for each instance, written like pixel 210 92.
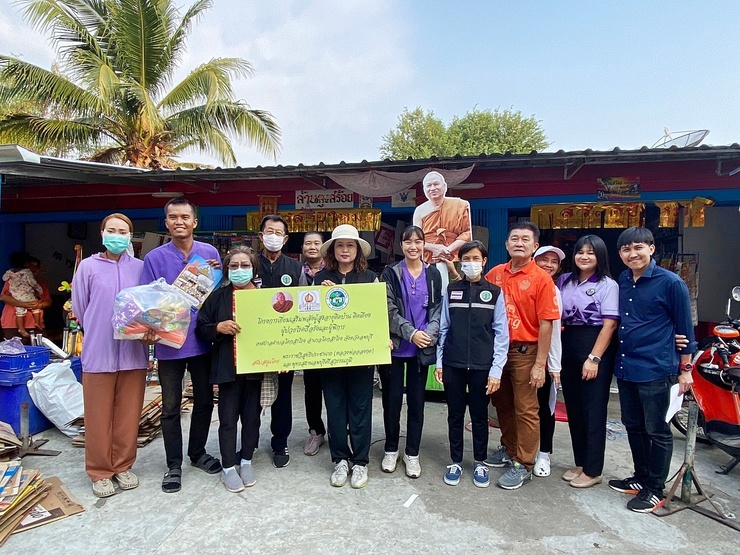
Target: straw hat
pixel 346 231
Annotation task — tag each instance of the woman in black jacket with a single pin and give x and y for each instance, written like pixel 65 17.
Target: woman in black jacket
pixel 238 395
pixel 348 392
pixel 414 295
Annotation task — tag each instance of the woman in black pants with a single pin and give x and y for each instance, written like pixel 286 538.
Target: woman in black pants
pixel 414 297
pixel 590 317
pixel 348 392
pixel 238 395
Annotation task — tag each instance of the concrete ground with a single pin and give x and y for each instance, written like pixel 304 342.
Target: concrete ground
pixel 295 510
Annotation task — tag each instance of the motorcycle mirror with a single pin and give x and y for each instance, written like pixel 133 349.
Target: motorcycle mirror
pixel 736 293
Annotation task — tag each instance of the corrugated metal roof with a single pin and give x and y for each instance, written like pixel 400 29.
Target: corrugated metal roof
pixel 16 161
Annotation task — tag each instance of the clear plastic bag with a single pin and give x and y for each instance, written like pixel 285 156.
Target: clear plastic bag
pixel 156 306
pixel 57 393
pixel 12 346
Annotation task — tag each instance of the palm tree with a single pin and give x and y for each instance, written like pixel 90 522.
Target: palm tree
pixel 110 98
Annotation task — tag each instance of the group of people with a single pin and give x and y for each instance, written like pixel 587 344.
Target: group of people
pixel 505 337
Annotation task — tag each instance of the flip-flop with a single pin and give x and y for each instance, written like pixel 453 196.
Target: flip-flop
pixel 172 481
pixel 207 463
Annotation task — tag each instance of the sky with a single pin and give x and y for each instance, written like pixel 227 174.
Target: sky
pixel 336 74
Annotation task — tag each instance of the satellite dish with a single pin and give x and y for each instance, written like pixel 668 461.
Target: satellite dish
pixel 681 139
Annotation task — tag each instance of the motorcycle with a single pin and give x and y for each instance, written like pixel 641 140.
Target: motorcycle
pixel 716 389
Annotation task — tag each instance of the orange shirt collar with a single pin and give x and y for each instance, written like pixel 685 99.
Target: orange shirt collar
pixel 526 269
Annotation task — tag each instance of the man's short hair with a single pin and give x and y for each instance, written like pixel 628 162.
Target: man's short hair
pixel 179 201
pixel 470 245
pixel 525 224
pixel 273 218
pixel 635 235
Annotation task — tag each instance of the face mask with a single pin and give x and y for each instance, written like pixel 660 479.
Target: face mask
pixel 240 277
pixel 116 243
pixel 273 243
pixel 471 269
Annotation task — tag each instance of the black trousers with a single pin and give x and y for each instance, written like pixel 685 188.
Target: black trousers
pixel 644 405
pixel 586 400
pixel 282 413
pixel 455 381
pixel 392 377
pixel 239 399
pixel 171 373
pixel 314 400
pixel 348 394
pixel 547 419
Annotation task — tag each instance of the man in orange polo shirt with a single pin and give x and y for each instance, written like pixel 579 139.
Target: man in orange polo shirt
pixel 531 306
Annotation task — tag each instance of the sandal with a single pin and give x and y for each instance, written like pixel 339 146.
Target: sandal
pixel 172 481
pixel 207 463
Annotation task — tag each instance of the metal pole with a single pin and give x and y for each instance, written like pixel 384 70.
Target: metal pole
pixel 686 483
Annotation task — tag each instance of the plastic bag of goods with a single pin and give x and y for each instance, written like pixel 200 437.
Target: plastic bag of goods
pixel 156 306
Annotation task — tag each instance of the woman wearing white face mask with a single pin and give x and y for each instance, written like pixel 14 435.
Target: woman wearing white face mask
pixel 238 395
pixel 114 371
pixel 471 354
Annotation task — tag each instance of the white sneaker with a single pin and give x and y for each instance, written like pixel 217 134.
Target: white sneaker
pixel 541 467
pixel 339 476
pixel 413 468
pixel 359 477
pixel 388 464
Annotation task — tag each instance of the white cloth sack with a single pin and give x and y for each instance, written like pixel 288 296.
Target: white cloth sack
pixel 57 393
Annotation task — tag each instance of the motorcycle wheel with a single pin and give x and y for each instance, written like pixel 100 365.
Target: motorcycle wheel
pixel 680 420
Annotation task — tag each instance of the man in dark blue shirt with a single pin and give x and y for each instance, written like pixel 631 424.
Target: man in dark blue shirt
pixel 654 306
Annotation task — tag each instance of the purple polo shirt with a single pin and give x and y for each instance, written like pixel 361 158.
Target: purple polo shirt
pixel 415 297
pixel 590 302
pixel 167 262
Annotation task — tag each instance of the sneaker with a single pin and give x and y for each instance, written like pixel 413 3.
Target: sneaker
pixel 499 459
pixel 515 477
pixel 413 468
pixel 231 479
pixel 281 459
pixel 313 443
pixel 629 485
pixel 126 480
pixel 452 476
pixel 249 478
pixel 339 476
pixel 541 467
pixel 480 475
pixel 388 464
pixel 104 488
pixel 646 501
pixel 359 476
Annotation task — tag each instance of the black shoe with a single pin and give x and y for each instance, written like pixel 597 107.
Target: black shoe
pixel 646 501
pixel 629 485
pixel 280 458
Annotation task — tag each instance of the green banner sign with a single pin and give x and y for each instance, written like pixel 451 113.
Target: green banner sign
pixel 296 328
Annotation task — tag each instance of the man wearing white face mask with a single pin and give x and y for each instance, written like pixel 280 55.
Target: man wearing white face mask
pixel 471 354
pixel 277 270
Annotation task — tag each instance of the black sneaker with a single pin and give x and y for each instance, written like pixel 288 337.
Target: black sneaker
pixel 646 501
pixel 629 485
pixel 280 458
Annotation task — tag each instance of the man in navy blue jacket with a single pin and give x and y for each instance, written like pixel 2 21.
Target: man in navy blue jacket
pixel 654 306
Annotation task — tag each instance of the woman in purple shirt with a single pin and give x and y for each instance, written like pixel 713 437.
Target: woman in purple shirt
pixel 113 370
pixel 414 294
pixel 590 317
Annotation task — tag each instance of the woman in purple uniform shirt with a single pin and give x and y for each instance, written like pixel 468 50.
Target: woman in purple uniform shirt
pixel 590 317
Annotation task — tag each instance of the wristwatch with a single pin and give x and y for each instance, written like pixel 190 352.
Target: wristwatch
pixel 594 358
pixel 688 367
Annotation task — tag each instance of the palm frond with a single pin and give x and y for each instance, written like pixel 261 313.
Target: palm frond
pixel 214 142
pixel 207 83
pixel 45 134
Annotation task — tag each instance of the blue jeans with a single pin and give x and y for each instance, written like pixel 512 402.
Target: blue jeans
pixel 644 405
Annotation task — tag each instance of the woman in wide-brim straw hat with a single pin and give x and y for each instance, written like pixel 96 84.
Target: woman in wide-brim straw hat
pixel 348 392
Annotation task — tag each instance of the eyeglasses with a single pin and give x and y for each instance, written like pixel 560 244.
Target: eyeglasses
pixel 243 265
pixel 274 232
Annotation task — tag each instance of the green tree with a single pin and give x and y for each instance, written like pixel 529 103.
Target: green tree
pixel 417 135
pixel 487 132
pixel 422 135
pixel 111 99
